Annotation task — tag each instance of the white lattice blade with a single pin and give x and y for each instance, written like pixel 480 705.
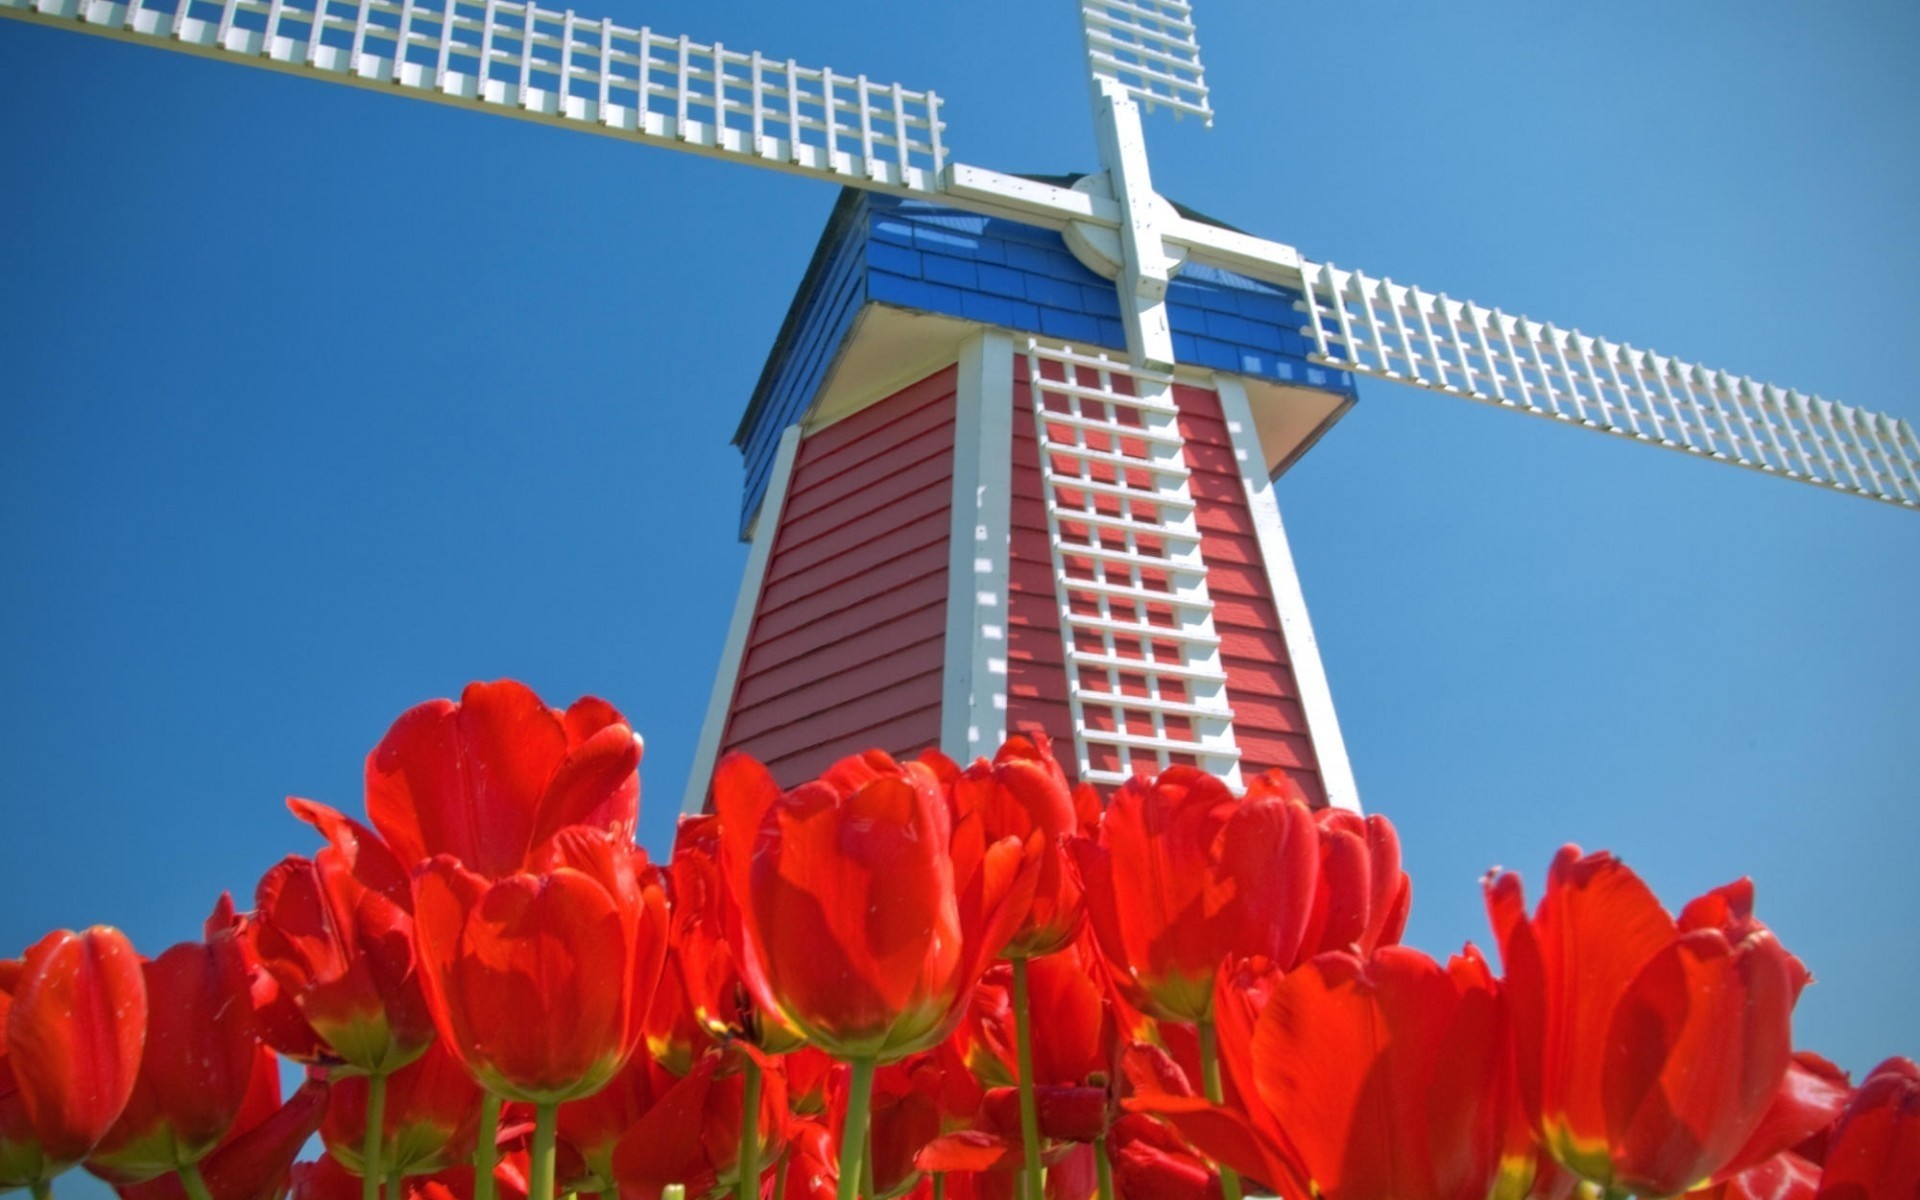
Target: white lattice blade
pixel 514 58
pixel 1148 47
pixel 1392 331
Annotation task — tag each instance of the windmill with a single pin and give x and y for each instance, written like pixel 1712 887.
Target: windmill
pixel 962 141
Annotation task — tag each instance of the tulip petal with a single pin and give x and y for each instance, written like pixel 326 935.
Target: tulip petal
pixel 1705 1031
pixel 664 1146
pixel 466 778
pixel 198 1066
pixel 74 1032
pixel 598 785
pixel 1597 926
pixel 540 968
pixel 969 1150
pixel 1875 1151
pixel 849 908
pixel 255 1164
pixel 1271 851
pixel 1811 1095
pixel 372 863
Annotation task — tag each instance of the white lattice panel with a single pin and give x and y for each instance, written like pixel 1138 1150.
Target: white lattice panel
pixel 1148 47
pixel 521 60
pixel 1392 331
pixel 1144 677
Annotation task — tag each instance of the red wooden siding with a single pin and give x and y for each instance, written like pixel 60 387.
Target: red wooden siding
pixel 1268 720
pixel 848 642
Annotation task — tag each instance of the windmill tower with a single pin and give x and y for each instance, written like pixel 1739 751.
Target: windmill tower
pixel 562 69
pixel 972 514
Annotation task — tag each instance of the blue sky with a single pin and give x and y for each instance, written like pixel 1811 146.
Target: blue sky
pixel 316 403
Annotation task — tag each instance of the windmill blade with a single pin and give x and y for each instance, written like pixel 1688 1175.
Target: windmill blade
pixel 1392 331
pixel 1148 47
pixel 514 58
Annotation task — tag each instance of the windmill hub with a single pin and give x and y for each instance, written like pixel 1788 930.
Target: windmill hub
pixel 1098 247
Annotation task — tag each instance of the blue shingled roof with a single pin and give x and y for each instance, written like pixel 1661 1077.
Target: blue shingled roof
pixel 917 255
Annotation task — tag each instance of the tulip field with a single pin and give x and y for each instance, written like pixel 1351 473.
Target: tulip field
pixel 927 979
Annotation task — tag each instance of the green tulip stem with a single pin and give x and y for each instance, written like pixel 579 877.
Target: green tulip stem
pixel 939 1185
pixel 1103 1167
pixel 749 1187
pixel 396 1185
pixel 1210 1080
pixel 43 1189
pixel 1035 1173
pixel 545 1118
pixel 370 1177
pixel 780 1177
pixel 195 1186
pixel 486 1150
pixel 853 1134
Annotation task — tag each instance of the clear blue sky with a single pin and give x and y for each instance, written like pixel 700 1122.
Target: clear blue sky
pixel 315 403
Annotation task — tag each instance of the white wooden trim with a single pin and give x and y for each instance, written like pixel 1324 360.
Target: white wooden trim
pixel 1316 698
pixel 1145 267
pixel 666 91
pixel 1407 335
pixel 766 528
pixel 973 695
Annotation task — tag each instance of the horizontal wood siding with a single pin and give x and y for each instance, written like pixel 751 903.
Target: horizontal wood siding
pixel 847 645
pixel 1268 721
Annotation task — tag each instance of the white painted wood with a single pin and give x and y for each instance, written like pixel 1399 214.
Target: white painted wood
pixel 1371 327
pixel 973 692
pixel 766 528
pixel 1148 47
pixel 287 38
pixel 1290 604
pixel 1136 619
pixel 1145 268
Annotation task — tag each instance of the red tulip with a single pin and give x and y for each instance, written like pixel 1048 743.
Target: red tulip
pixel 591 1128
pixel 336 934
pixel 1785 1176
pixel 706 928
pixel 539 982
pixel 328 1180
pixel 73 1019
pixel 812 1167
pixel 914 1101
pixel 1363 896
pixel 198 1064
pixel 488 780
pixel 864 919
pixel 1023 792
pixel 1183 875
pixel 1151 1162
pixel 809 1075
pixel 691 1136
pixel 1648 1051
pixel 1074 1034
pixel 1810 1098
pixel 1875 1150
pixel 428 1122
pixel 253 1161
pixel 1393 1053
